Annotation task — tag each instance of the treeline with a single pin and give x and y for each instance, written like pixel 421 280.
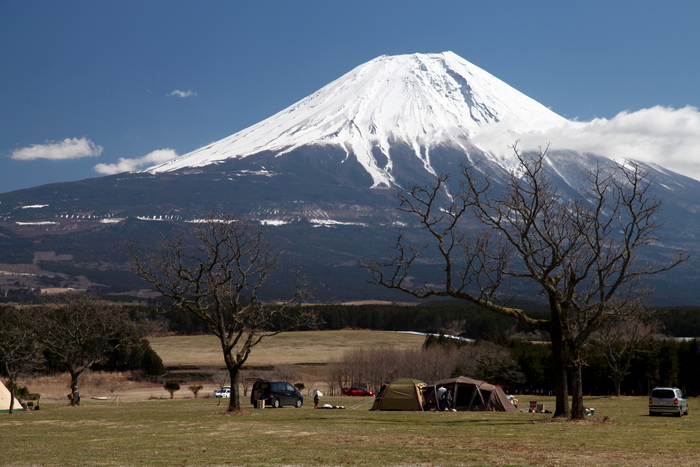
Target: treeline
pixel 466 321
pixel 438 317
pixel 656 363
pixel 666 362
pixel 680 321
pixel 448 317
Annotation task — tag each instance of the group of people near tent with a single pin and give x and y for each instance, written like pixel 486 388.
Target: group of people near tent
pixel 457 394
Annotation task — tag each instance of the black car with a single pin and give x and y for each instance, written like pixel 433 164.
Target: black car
pixel 275 393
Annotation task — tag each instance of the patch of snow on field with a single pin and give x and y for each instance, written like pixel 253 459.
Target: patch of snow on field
pixel 466 339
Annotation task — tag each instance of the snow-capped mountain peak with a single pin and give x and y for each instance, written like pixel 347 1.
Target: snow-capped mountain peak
pixel 420 100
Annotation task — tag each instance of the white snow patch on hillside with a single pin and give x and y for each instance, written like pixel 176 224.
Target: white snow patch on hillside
pixel 331 222
pixel 274 222
pixel 37 223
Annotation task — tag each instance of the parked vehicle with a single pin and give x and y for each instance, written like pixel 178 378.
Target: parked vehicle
pixel 357 392
pixel 275 393
pixel 224 392
pixel 667 400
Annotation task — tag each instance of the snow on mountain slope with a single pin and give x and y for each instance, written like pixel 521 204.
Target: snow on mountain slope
pixel 421 100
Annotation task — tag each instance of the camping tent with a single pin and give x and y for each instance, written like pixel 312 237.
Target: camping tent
pixel 473 395
pixel 400 394
pixel 5 400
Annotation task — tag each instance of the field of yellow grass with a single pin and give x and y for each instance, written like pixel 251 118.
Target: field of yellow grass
pixel 287 348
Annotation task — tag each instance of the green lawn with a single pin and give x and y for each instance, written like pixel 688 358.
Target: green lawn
pixel 198 432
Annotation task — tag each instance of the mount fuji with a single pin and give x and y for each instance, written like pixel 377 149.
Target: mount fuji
pixel 419 101
pixel 334 159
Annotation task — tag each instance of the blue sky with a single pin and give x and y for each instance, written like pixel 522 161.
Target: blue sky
pixel 84 83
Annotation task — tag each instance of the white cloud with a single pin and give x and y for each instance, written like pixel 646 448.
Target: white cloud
pixel 130 165
pixel 69 148
pixel 659 135
pixel 179 93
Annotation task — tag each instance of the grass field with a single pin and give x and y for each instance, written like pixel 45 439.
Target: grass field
pixel 286 348
pixel 198 432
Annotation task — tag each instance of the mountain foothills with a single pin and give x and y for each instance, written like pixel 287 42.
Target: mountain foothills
pixel 323 175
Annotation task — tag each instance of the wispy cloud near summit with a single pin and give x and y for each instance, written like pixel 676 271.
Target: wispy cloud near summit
pixel 178 93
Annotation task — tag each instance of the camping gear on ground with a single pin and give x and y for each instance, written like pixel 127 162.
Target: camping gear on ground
pixel 471 395
pixel 5 398
pixel 400 394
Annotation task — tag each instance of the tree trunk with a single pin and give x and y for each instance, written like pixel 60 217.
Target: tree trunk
pixel 234 403
pixel 617 381
pixel 561 387
pixel 12 395
pixel 75 394
pixel 577 409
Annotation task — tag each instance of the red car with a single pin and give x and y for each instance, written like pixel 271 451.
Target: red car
pixel 357 392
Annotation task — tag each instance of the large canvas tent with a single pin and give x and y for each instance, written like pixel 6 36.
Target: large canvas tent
pixel 473 395
pixel 400 394
pixel 5 397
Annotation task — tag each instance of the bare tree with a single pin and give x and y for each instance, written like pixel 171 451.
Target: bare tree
pixel 619 341
pixel 77 330
pixel 336 377
pixel 581 253
pixel 490 362
pixel 219 279
pixel 18 348
pixel 287 373
pixel 195 388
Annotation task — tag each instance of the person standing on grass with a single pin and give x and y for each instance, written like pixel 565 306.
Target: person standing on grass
pixel 316 400
pixel 440 398
pixel 447 400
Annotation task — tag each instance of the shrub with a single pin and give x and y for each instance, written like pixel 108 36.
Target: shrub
pixel 195 388
pixel 171 387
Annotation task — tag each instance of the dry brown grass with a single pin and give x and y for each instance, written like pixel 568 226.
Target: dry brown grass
pixel 286 348
pixel 92 384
